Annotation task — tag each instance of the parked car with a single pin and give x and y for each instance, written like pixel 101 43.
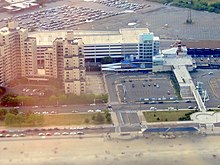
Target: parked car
pixel 98 110
pixel 153 108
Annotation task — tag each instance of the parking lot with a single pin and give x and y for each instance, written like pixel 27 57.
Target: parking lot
pixel 204 61
pixel 33 90
pixel 211 83
pixel 95 84
pixel 71 14
pixel 148 88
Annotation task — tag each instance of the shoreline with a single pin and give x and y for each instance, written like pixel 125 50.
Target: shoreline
pixel 183 150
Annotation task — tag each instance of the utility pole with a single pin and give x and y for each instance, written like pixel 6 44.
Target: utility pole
pixel 189 16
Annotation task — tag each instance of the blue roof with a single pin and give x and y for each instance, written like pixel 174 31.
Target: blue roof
pixel 175 129
pixel 182 129
pixel 155 130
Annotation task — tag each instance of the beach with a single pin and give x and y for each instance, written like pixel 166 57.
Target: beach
pixel 184 150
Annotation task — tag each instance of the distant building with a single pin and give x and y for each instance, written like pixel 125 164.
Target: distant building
pixel 138 42
pixel 203 48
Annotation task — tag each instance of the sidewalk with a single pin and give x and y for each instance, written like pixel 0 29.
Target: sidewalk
pixel 114 119
pixel 142 118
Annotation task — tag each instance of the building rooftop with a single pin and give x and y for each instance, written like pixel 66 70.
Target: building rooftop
pixel 6 30
pixel 130 35
pixel 202 44
pixel 179 60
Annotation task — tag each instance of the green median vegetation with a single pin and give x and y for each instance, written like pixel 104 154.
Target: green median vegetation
pixel 14 119
pixel 163 116
pixel 17 100
pixel 203 5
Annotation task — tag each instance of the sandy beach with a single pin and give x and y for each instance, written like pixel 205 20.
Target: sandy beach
pixel 186 150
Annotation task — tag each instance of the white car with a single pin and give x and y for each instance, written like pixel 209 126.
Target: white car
pixel 98 110
pixel 171 108
pixel 45 113
pixel 22 135
pixel 73 133
pixel 90 110
pixel 56 134
pixel 41 134
pixel 74 111
pixel 65 133
pixel 153 108
pixel 15 135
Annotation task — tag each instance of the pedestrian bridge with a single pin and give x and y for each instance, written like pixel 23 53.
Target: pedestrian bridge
pixel 187 86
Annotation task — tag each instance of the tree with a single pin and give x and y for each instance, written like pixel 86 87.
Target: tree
pixel 109 119
pixel 99 118
pixel 86 121
pixel 3 112
pixel 53 99
pixel 34 119
pixel 13 120
pixel 2 90
pixel 62 98
pixel 93 117
pixel 13 111
pixel 9 100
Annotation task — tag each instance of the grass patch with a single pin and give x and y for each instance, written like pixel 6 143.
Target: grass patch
pixel 70 119
pixel 162 116
pixel 213 110
pixel 65 119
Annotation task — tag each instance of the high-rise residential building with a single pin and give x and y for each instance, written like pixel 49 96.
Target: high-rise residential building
pixel 29 58
pixel 70 63
pixel 17 53
pixel 20 56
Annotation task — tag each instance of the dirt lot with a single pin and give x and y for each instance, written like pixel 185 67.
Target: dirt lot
pixel 95 84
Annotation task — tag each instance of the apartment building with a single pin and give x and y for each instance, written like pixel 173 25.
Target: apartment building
pixel 74 66
pixel 21 56
pixel 29 59
pixel 17 53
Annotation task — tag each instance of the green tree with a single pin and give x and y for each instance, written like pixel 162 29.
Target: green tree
pixel 93 117
pixel 13 111
pixel 99 118
pixel 9 100
pixel 3 112
pixel 86 121
pixel 14 120
pixel 53 99
pixel 62 98
pixel 34 119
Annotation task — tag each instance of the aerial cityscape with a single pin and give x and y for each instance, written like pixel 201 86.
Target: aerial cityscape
pixel 109 82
